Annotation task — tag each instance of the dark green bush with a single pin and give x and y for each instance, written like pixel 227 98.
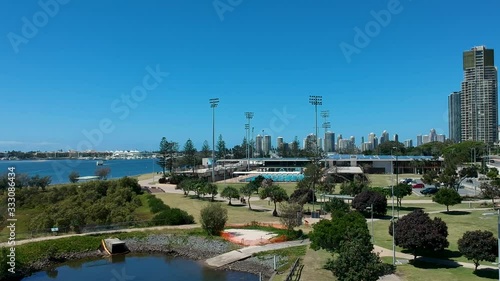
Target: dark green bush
pixel 172 216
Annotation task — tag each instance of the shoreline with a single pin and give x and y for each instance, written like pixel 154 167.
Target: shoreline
pixel 196 248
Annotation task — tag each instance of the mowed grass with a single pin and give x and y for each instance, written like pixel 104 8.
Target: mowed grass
pixel 421 271
pixel 22 231
pixel 237 214
pixel 458 223
pixel 389 179
pixel 313 266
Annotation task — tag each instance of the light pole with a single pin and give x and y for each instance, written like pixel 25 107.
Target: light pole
pixel 247 131
pixel 249 116
pixel 316 100
pixel 373 234
pixel 393 223
pixel 213 104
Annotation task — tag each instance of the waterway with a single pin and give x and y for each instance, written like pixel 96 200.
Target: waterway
pixel 139 268
pixel 59 170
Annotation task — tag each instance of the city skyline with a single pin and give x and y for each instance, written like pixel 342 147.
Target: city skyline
pixel 117 83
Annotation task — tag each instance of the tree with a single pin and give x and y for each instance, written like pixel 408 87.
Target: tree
pixel 447 197
pixel 230 192
pixel 401 190
pixel 249 189
pixel 352 188
pixel 211 189
pixel 42 182
pixel 418 233
pixel 102 173
pixel 168 149
pixel 73 176
pixel 205 150
pixel 430 177
pixel 490 190
pixel 290 215
pixel 492 173
pixel 337 205
pixel 356 261
pixel 221 148
pixel 213 218
pixel 276 194
pixel 367 198
pixel 329 234
pixel 478 246
pixel 190 153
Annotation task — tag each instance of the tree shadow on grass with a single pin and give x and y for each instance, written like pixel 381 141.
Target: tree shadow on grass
pixel 445 254
pixel 456 213
pixel 425 263
pixel 260 210
pixel 409 209
pixel 489 273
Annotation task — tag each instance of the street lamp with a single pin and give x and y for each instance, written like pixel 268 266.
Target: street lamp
pixel 326 125
pixel 249 116
pixel 316 100
pixel 393 222
pixel 213 104
pixel 373 233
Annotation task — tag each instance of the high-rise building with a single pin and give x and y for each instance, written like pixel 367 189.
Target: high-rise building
pixel 426 139
pixel 433 136
pixel 266 145
pixel 339 138
pixel 258 145
pixel 279 143
pixel 396 138
pixel 419 140
pixel 441 138
pixel 310 142
pixel 454 117
pixel 384 137
pixel 479 98
pixel 408 143
pixel 329 142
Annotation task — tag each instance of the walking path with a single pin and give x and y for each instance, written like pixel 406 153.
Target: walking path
pixel 246 252
pixel 25 241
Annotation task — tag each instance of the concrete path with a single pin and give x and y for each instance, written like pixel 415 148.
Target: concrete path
pixel 247 252
pixel 25 241
pixel 388 253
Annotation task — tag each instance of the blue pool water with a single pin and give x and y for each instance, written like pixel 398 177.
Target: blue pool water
pixel 279 178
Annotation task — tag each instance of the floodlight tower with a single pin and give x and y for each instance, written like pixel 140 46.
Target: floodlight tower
pixel 316 100
pixel 213 104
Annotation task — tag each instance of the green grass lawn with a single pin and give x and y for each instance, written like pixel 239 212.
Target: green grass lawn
pixel 23 217
pixel 388 179
pixel 236 214
pixel 420 271
pixel 458 223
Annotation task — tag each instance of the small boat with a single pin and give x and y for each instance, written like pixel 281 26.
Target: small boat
pixel 99 163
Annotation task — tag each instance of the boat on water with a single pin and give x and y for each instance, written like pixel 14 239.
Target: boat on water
pixel 99 163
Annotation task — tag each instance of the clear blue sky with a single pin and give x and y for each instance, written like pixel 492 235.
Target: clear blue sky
pixel 260 56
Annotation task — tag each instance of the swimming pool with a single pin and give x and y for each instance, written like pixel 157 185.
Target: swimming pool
pixel 278 177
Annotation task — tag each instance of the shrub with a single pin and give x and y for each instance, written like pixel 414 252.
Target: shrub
pixel 156 205
pixel 337 204
pixel 172 216
pixel 162 180
pixel 213 218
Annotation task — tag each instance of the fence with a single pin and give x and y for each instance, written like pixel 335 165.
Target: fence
pixel 295 271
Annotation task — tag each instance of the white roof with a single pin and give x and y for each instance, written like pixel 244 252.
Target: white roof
pixel 345 170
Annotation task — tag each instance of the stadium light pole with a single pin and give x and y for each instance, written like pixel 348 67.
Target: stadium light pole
pixel 316 100
pixel 247 149
pixel 393 222
pixel 213 104
pixel 326 125
pixel 249 116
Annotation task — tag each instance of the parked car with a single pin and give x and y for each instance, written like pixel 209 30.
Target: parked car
pixel 429 190
pixel 407 181
pixel 418 185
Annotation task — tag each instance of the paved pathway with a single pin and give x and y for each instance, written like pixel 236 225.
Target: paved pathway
pixel 246 252
pixel 25 241
pixel 388 253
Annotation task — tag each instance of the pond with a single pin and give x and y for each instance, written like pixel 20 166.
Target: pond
pixel 139 268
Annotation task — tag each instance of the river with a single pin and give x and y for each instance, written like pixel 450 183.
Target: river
pixel 139 268
pixel 59 170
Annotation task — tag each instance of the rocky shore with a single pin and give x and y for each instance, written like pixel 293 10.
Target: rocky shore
pixel 193 247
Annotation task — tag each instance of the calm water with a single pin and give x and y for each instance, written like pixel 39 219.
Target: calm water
pixel 140 268
pixel 59 170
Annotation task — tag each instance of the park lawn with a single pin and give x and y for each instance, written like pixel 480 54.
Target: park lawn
pixel 387 179
pixel 288 186
pixel 143 213
pixel 23 217
pixel 421 271
pixel 288 256
pixel 313 266
pixel 458 223
pixel 236 214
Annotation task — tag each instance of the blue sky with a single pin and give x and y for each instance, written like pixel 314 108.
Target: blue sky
pixel 62 84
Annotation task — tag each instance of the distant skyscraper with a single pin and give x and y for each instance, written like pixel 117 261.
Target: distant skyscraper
pixel 279 143
pixel 371 139
pixel 310 142
pixel 426 139
pixel 396 138
pixel 266 144
pixel 384 137
pixel 433 136
pixel 339 138
pixel 441 138
pixel 408 143
pixel 258 145
pixel 479 98
pixel 454 117
pixel 419 140
pixel 329 142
